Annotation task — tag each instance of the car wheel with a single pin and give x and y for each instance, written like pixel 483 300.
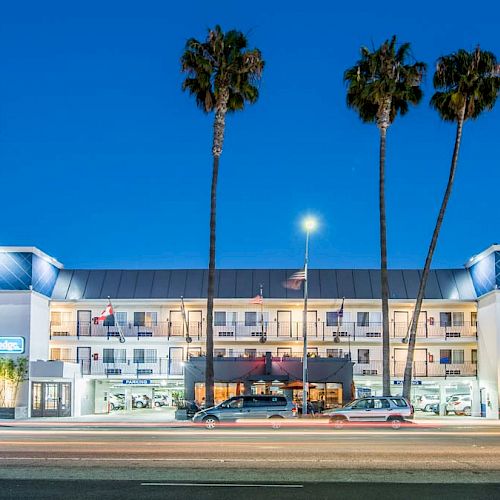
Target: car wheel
pixel 157 404
pixel 139 404
pixel 210 421
pixel 396 422
pixel 467 411
pixel 427 408
pixel 338 422
pixel 112 407
pixel 276 421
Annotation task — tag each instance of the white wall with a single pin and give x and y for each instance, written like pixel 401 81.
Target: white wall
pixel 489 350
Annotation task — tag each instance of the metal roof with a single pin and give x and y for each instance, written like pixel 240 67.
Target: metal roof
pixel 447 284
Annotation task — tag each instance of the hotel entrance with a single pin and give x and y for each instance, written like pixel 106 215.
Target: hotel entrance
pixel 51 399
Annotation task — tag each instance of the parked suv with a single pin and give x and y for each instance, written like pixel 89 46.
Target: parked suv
pixel 460 404
pixel 426 402
pixel 393 409
pixel 248 407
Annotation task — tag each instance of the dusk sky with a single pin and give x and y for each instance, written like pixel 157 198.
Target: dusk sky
pixel 105 162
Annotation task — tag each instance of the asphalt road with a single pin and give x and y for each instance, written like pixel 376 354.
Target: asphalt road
pixel 317 462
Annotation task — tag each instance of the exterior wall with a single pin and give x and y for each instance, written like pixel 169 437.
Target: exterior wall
pixel 489 352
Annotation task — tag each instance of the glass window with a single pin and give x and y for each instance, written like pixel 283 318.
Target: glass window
pixel 250 319
pixel 145 318
pixel 58 318
pixel 381 403
pixel 457 319
pixel 250 353
pixel 363 319
pixel 458 356
pixel 445 356
pixel 400 402
pixel 332 319
pixel 284 352
pixel 60 354
pixel 363 356
pixel 473 318
pixel 473 354
pixel 114 355
pixel 235 403
pixel 219 318
pixel 139 318
pixel 445 319
pixel 121 318
pixel 219 353
pixel 376 318
pixel 335 353
pixel 363 404
pixel 144 355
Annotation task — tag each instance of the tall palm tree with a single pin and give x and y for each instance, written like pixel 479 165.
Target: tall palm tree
pixel 222 73
pixel 381 85
pixel 466 83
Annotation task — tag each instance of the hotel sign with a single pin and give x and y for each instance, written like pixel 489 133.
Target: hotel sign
pixel 11 345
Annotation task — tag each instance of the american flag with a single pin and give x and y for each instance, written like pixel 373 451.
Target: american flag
pixel 294 282
pixel 258 299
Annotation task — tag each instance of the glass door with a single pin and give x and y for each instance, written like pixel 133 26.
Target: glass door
pixel 284 323
pixel 83 321
pixel 83 359
pixel 51 399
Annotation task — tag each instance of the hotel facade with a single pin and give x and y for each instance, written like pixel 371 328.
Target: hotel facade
pixel 149 351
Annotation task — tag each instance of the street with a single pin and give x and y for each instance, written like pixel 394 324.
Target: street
pixel 125 460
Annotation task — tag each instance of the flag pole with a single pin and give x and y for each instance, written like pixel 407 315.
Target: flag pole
pixel 305 384
pixel 120 333
pixel 340 315
pixel 186 326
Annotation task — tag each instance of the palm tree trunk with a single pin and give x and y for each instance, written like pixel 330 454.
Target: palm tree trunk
pixel 386 376
pixel 428 260
pixel 218 140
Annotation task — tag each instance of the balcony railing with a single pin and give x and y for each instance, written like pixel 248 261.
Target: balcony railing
pixel 420 369
pixel 175 366
pixel 270 330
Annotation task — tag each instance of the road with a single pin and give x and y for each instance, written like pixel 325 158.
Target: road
pixel 315 461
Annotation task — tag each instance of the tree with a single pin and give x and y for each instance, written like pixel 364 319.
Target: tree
pixel 222 75
pixel 381 85
pixel 12 373
pixel 467 84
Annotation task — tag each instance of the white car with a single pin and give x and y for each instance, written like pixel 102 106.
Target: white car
pixel 426 402
pixel 460 404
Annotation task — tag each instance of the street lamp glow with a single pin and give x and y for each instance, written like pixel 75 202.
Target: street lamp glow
pixel 310 224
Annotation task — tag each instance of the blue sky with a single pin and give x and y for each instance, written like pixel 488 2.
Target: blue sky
pixel 106 163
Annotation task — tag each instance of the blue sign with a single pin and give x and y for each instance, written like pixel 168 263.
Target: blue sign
pixel 413 382
pixel 136 382
pixel 11 345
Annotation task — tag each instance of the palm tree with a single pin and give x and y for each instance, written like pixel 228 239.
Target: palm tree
pixel 381 85
pixel 466 83
pixel 222 74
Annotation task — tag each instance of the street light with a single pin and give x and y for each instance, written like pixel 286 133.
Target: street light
pixel 309 224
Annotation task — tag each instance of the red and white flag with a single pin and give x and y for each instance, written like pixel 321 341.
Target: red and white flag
pixel 258 299
pixel 294 282
pixel 107 312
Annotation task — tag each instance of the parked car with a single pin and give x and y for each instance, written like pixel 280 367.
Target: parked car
pixel 275 408
pixel 426 402
pixel 460 404
pixel 160 400
pixel 142 401
pixel 116 402
pixel 393 409
pixel 190 407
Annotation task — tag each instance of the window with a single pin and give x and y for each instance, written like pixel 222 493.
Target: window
pixel 235 403
pixel 400 402
pixel 145 318
pixel 219 318
pixel 445 356
pixel 335 353
pixel 473 354
pixel 363 319
pixel 333 319
pixel 60 354
pixel 363 356
pixel 451 319
pixel 284 352
pixel 58 318
pixel 376 318
pixel 312 352
pixel 219 353
pixel 473 318
pixel 363 404
pixel 378 404
pixel 250 319
pixel 457 356
pixel 114 355
pixel 250 353
pixel 121 318
pixel 144 355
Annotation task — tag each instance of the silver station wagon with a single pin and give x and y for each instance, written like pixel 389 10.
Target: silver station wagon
pixel 394 409
pixel 275 408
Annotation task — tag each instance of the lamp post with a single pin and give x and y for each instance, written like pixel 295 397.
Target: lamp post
pixel 309 225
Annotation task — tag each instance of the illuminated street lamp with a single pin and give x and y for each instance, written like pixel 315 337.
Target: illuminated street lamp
pixel 309 224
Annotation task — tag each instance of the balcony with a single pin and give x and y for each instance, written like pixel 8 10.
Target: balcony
pixel 420 369
pixel 274 331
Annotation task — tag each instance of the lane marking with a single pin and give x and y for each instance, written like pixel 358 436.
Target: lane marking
pixel 226 485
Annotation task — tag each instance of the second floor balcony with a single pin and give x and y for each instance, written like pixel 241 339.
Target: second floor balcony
pixel 273 330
